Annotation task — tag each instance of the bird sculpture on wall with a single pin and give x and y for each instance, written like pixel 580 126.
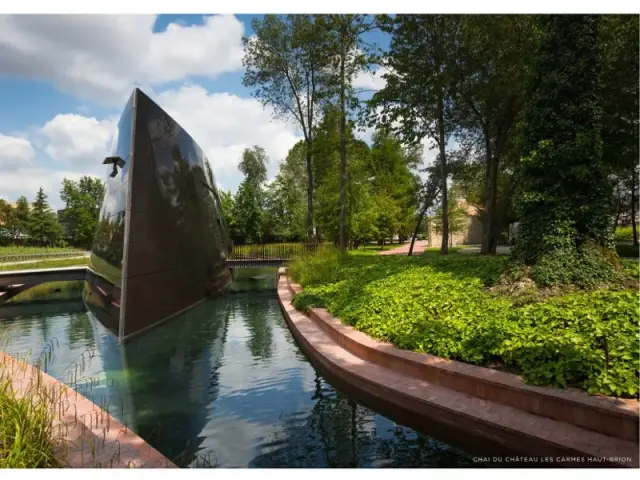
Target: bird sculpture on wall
pixel 116 161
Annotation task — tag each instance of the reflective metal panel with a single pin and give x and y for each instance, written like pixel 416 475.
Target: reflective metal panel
pixel 176 242
pixel 103 292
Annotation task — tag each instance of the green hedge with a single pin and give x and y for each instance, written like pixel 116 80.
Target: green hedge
pixel 440 305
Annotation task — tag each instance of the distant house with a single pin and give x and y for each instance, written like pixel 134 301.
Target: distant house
pixel 471 235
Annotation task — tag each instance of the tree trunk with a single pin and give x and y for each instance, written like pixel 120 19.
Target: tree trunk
pixel 415 232
pixel 309 194
pixel 633 208
pixel 444 247
pixel 618 206
pixel 343 157
pixel 491 193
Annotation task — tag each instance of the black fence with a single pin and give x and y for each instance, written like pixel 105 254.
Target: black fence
pixel 275 251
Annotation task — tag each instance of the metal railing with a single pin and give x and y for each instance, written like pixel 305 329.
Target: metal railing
pixel 274 251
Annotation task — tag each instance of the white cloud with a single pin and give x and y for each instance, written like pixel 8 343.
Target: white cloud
pixel 370 80
pixel 78 140
pixel 20 173
pixel 15 152
pixel 224 125
pixel 27 181
pixel 102 57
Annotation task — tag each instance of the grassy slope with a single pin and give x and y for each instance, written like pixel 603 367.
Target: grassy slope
pixel 441 305
pixel 19 250
pixel 67 262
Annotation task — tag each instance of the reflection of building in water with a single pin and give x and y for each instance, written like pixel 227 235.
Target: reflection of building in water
pixel 161 241
pixel 167 380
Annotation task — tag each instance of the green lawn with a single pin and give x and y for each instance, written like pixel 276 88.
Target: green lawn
pixel 19 250
pixel 65 262
pixel 446 306
pixel 373 249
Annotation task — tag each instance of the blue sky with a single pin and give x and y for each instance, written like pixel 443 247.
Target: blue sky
pixel 66 78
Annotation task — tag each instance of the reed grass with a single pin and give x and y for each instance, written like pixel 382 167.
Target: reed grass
pixel 25 429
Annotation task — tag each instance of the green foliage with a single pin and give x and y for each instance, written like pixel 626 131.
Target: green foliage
pixel 249 202
pixel 43 226
pixel 440 305
pixel 25 429
pixel 315 268
pixel 227 204
pixel 458 220
pixel 285 61
pixel 563 195
pixel 624 234
pixel 584 267
pixel 14 220
pixel 631 268
pixel 82 199
pixel 589 340
pixel 285 211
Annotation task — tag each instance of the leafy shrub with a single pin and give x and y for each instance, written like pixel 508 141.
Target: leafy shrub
pixel 440 305
pixel 585 267
pixel 624 234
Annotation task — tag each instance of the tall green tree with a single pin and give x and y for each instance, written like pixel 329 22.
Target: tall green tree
pixel 82 199
pixel 227 203
pixel 563 192
pixel 43 227
pixel 347 53
pixel 491 68
pixel 417 101
pixel 619 51
pixel 248 213
pixel 392 168
pixel 285 60
pixel 7 219
pixel 285 210
pixel 22 216
pixel 327 161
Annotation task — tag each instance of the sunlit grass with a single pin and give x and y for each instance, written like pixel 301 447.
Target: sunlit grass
pixel 25 429
pixel 66 262
pixel 22 250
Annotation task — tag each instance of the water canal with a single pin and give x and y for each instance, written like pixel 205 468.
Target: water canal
pixel 222 385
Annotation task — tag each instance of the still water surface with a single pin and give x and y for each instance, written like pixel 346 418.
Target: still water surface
pixel 222 385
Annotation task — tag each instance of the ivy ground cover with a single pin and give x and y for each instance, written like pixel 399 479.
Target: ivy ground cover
pixel 444 306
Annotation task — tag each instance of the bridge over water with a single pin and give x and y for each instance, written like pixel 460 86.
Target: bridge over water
pixel 242 256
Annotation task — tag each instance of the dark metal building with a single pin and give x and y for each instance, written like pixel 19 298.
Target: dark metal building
pixel 161 243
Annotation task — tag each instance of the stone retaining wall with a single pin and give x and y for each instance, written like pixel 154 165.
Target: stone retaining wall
pixel 607 421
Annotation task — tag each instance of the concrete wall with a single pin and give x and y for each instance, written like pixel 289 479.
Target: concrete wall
pixel 472 235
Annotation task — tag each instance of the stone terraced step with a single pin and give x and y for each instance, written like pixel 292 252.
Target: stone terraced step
pixel 502 423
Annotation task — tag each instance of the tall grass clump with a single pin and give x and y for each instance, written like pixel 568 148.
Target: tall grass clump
pixel 25 429
pixel 322 266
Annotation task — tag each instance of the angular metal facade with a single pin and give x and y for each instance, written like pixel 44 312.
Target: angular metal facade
pixel 161 242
